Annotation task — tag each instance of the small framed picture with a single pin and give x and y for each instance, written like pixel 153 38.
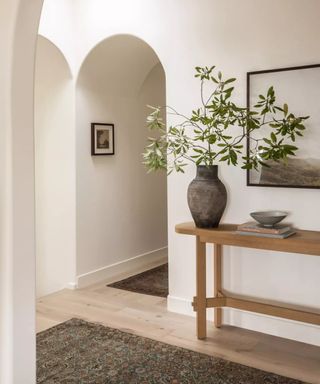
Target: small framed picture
pixel 102 139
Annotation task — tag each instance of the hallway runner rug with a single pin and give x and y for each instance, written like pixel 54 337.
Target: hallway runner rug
pixel 78 352
pixel 152 282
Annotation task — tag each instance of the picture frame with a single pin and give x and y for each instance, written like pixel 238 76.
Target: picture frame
pixel 299 87
pixel 102 139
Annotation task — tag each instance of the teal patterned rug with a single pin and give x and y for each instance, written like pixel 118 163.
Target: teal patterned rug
pixel 77 352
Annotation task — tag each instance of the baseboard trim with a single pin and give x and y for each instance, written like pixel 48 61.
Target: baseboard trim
pixel 72 285
pixel 125 268
pixel 180 305
pixel 303 332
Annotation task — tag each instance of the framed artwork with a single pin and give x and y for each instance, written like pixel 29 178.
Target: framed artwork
pixel 299 87
pixel 102 139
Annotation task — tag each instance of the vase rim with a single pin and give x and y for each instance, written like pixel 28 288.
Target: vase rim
pixel 207 166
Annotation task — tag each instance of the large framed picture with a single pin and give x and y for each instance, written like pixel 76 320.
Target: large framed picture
pixel 102 139
pixel 300 88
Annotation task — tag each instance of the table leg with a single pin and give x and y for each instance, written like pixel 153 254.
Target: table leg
pixel 201 290
pixel 217 249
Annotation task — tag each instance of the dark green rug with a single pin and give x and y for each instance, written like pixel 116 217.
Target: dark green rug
pixel 152 282
pixel 77 352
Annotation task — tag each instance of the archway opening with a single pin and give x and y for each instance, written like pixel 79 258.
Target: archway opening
pixel 121 210
pixel 96 216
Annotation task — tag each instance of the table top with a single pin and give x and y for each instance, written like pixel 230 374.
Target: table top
pixel 304 242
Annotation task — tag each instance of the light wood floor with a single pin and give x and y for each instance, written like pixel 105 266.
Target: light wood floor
pixel 147 316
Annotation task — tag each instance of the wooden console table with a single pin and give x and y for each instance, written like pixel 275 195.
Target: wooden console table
pixel 305 242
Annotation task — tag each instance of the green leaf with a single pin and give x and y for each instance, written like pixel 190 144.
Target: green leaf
pixel 270 91
pixel 212 139
pixel 230 80
pixel 229 90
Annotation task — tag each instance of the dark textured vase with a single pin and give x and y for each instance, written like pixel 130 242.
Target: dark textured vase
pixel 207 197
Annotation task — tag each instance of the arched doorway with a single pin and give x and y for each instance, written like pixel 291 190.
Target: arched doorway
pixel 121 210
pixel 85 204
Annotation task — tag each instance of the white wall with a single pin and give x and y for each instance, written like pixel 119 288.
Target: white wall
pixel 55 170
pixel 18 30
pixel 237 43
pixel 121 210
pixel 58 23
pixel 238 37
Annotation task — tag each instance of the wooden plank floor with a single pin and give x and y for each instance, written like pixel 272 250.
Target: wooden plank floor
pixel 147 316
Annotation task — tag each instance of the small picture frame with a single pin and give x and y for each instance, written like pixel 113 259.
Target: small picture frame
pixel 102 139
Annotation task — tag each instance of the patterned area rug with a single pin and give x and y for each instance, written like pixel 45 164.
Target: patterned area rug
pixel 153 282
pixel 77 352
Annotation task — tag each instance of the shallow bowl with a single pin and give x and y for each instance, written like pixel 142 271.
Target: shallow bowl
pixel 269 218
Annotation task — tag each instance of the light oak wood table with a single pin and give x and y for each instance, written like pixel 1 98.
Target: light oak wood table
pixel 304 242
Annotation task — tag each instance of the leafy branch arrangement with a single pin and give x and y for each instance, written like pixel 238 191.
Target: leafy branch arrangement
pixel 205 138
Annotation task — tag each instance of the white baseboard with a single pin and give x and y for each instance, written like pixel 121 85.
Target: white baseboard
pixel 306 333
pixel 72 285
pixel 180 305
pixel 124 268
